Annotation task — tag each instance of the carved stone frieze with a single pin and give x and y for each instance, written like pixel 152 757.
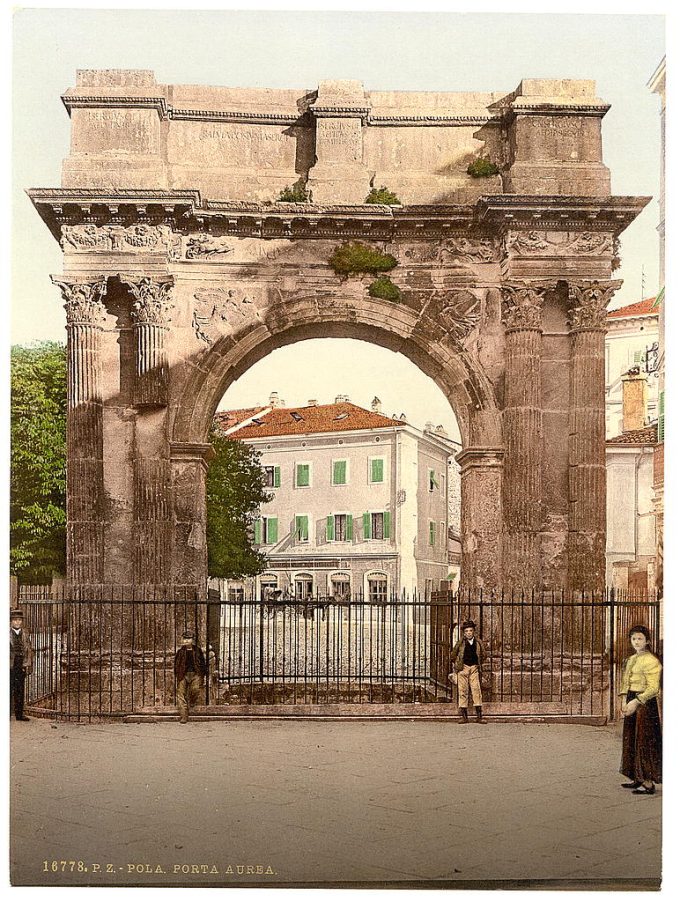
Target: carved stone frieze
pixel 545 243
pixel 521 305
pixel 208 246
pixel 452 313
pixel 141 237
pixel 82 300
pixel 588 303
pixel 220 311
pixel 151 302
pixel 459 250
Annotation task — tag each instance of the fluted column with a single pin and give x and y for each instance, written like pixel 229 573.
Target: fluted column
pixel 85 314
pixel 587 477
pixel 152 512
pixel 523 432
pixel 151 320
pixel 190 462
pixel 481 527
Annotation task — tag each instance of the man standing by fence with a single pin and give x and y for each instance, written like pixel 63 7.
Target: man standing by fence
pixel 190 671
pixel 20 662
pixel 467 658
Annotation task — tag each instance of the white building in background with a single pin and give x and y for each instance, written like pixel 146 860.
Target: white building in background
pixel 360 500
pixel 632 341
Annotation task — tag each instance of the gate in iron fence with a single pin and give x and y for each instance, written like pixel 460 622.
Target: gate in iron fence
pixel 547 654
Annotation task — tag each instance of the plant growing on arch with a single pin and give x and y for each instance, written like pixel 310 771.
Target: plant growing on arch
pixel 382 195
pixel 355 257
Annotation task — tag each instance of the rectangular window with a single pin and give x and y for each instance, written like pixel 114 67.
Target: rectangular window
pixel 377 525
pixel 270 530
pixel 303 475
pixel 339 472
pixel 339 528
pixel 376 472
pixel 377 589
pixel 442 533
pixel 272 477
pixel 442 483
pixel 432 480
pixel 301 528
pixel 433 532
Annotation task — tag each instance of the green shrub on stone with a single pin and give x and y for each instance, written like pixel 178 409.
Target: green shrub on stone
pixel 384 288
pixel 482 168
pixel 356 257
pixel 382 196
pixel 295 194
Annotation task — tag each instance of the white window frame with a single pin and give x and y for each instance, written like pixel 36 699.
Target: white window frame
pixel 378 511
pixel 335 514
pixel 303 463
pixel 338 460
pixel 370 469
pixel 272 467
pixel 346 576
pixel 374 573
pixel 301 574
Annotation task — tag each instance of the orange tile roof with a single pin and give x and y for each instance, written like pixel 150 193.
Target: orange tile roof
pixel 645 436
pixel 226 419
pixel 341 417
pixel 641 308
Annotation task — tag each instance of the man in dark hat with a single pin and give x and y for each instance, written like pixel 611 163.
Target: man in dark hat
pixel 20 662
pixel 467 658
pixel 190 671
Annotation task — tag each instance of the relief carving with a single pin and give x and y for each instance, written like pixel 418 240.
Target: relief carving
pixel 454 251
pixel 588 303
pixel 521 305
pixel 547 244
pixel 219 307
pixel 208 246
pixel 83 302
pixel 139 237
pixel 452 313
pixel 151 300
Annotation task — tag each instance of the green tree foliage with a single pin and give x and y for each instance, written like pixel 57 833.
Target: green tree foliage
pixel 356 257
pixel 295 194
pixel 38 462
pixel 235 491
pixel 382 196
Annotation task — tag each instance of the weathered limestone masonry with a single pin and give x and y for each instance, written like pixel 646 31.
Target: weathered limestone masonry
pixel 181 269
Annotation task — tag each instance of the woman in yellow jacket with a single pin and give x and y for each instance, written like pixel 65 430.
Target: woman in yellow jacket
pixel 641 758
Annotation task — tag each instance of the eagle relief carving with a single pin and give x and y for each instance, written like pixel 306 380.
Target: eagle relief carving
pixel 220 311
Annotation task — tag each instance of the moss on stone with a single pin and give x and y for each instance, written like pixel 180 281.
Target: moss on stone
pixel 356 257
pixel 384 288
pixel 482 168
pixel 382 196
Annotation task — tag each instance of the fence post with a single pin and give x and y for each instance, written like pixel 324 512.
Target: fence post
pixel 612 647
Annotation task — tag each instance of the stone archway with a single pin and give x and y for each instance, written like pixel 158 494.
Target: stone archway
pixel 171 292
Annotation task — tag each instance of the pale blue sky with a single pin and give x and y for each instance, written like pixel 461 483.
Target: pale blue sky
pixel 399 51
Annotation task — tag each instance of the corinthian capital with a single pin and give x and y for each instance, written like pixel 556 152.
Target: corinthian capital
pixel 82 300
pixel 521 304
pixel 588 303
pixel 151 299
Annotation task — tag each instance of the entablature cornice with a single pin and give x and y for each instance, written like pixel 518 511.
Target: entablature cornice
pixel 186 211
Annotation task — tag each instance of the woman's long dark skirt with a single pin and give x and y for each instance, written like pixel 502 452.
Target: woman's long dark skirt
pixel 641 758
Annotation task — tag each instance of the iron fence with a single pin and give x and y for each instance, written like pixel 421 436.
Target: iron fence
pixel 546 652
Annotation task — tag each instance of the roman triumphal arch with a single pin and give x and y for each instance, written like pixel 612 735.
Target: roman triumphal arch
pixel 181 268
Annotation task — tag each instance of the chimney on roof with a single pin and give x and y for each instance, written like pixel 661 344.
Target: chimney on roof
pixel 429 426
pixel 341 399
pixel 376 405
pixel 634 385
pixel 312 402
pixel 274 400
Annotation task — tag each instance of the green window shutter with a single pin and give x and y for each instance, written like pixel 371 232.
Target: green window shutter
pixel 662 416
pixel 302 477
pixel 330 528
pixel 386 524
pixel 302 527
pixel 257 530
pixel 432 529
pixel 340 472
pixel 367 526
pixel 272 530
pixel 377 470
pixel 349 528
pixel 637 357
pixel 277 477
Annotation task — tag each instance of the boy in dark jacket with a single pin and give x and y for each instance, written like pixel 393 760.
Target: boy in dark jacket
pixel 467 658
pixel 190 671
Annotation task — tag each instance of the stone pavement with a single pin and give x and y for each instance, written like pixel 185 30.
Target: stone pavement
pixel 283 802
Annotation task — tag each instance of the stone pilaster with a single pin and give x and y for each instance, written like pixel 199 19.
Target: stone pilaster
pixel 587 477
pixel 523 432
pixel 151 320
pixel 85 314
pixel 189 466
pixel 481 471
